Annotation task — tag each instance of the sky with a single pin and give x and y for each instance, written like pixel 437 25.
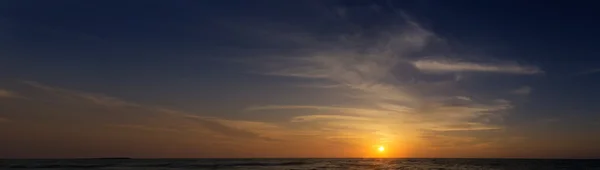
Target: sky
pixel 222 79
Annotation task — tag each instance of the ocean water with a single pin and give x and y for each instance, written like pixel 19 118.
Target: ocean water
pixel 288 164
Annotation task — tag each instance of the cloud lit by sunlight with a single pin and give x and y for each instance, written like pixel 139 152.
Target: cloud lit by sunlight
pixel 383 91
pixel 7 94
pixel 391 101
pixel 443 66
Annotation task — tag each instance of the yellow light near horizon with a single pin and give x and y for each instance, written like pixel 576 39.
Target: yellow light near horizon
pixel 381 149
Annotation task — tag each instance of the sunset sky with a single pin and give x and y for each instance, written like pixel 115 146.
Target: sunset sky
pixel 196 79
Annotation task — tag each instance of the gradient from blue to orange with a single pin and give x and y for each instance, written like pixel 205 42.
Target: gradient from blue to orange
pixel 298 79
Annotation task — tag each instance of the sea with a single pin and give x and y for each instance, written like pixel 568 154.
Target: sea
pixel 301 164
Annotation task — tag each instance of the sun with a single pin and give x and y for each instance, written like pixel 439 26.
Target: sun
pixel 381 148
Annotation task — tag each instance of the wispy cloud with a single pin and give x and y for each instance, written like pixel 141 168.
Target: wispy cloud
pixel 468 126
pixel 156 118
pixel 392 99
pixel 590 71
pixel 7 94
pixel 446 66
pixel 437 140
pixel 379 72
pixel 329 109
pixel 525 90
pixel 144 128
pixel 217 126
pixel 99 99
pixel 329 117
pixel 463 98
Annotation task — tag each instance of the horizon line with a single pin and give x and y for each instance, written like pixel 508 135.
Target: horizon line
pixel 133 158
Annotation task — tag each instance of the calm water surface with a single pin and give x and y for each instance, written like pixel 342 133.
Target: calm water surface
pixel 351 164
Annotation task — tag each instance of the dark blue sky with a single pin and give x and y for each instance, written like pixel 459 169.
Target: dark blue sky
pixel 523 70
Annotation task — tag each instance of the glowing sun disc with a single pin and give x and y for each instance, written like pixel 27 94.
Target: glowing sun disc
pixel 381 149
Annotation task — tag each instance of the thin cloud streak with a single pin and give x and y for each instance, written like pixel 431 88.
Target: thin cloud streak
pixel 144 128
pixel 7 94
pixel 208 123
pixel 444 66
pixel 346 110
pixel 525 90
pixel 469 126
pixel 329 117
pixel 231 131
pixel 99 99
pixel 590 71
pixel 463 98
pixel 368 73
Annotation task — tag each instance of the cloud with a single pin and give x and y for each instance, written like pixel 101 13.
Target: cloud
pixel 99 99
pixel 151 118
pixel 446 66
pixel 7 94
pixel 437 141
pixel 144 128
pixel 395 108
pixel 590 71
pixel 379 72
pixel 468 126
pixel 525 90
pixel 382 76
pixel 360 72
pixel 285 107
pixel 440 140
pixel 463 98
pixel 330 109
pixel 215 125
pixel 328 117
pixel 442 116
